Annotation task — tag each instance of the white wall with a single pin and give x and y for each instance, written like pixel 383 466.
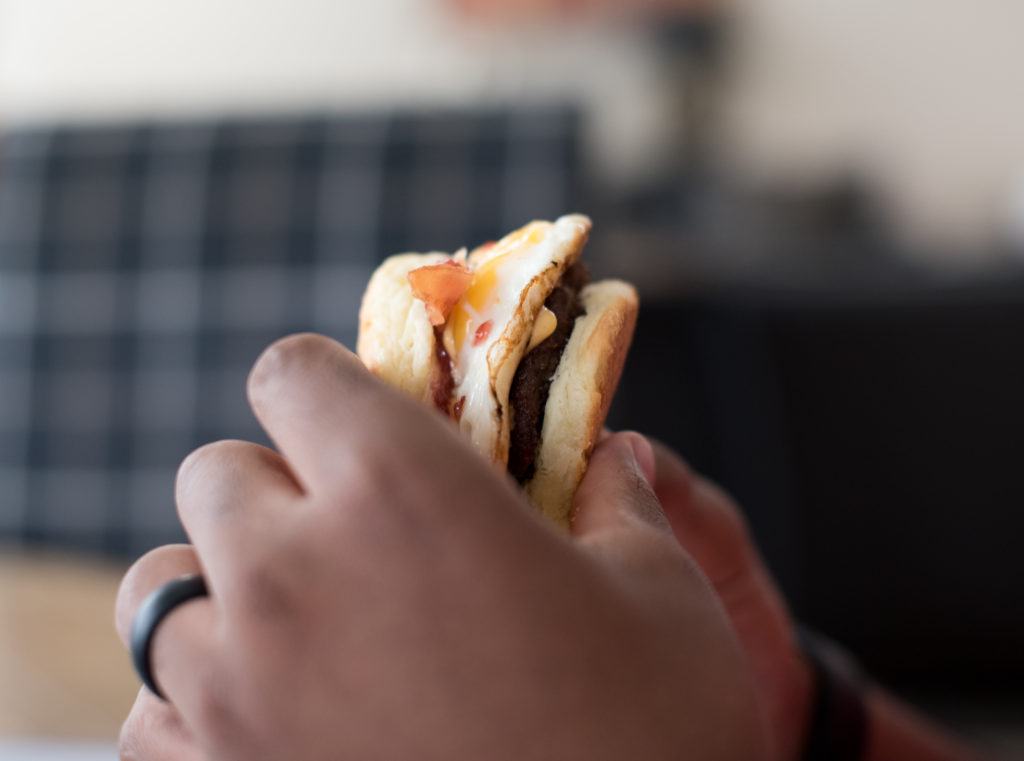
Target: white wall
pixel 97 59
pixel 921 97
pixel 925 97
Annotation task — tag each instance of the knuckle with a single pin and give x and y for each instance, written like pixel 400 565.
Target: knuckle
pixel 140 579
pixel 216 457
pixel 282 357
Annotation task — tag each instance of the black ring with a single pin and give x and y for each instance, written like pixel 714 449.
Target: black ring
pixel 153 610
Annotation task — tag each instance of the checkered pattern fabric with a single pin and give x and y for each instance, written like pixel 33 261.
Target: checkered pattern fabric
pixel 143 269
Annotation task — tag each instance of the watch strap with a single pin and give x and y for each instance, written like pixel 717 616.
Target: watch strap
pixel 838 726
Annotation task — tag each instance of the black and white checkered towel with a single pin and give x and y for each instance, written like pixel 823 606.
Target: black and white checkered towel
pixel 143 268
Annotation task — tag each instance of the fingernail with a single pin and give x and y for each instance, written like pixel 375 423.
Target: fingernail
pixel 644 454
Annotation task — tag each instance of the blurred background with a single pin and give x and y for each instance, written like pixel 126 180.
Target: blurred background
pixel 821 203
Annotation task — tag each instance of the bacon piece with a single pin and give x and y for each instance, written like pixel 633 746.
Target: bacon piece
pixel 442 383
pixel 439 287
pixel 482 333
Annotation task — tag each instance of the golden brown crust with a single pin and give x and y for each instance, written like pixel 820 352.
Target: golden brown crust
pixel 581 394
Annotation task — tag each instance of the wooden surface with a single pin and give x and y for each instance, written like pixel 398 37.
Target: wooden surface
pixel 63 672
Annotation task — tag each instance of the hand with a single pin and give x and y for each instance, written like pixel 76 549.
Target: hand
pixel 378 591
pixel 711 528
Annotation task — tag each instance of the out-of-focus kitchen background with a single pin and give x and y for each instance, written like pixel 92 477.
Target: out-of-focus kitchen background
pixel 822 204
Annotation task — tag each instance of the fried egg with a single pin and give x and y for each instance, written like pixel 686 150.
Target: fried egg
pixel 500 317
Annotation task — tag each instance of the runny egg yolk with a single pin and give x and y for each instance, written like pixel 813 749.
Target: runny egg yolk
pixel 474 302
pixel 482 294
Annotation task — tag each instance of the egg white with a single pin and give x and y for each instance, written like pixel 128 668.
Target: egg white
pixel 527 265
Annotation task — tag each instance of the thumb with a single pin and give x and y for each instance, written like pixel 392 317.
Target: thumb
pixel 616 489
pixel 706 522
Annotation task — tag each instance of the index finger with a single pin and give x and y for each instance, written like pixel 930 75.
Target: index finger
pixel 340 427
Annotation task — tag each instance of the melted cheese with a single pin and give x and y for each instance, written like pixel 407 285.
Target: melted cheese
pixel 544 327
